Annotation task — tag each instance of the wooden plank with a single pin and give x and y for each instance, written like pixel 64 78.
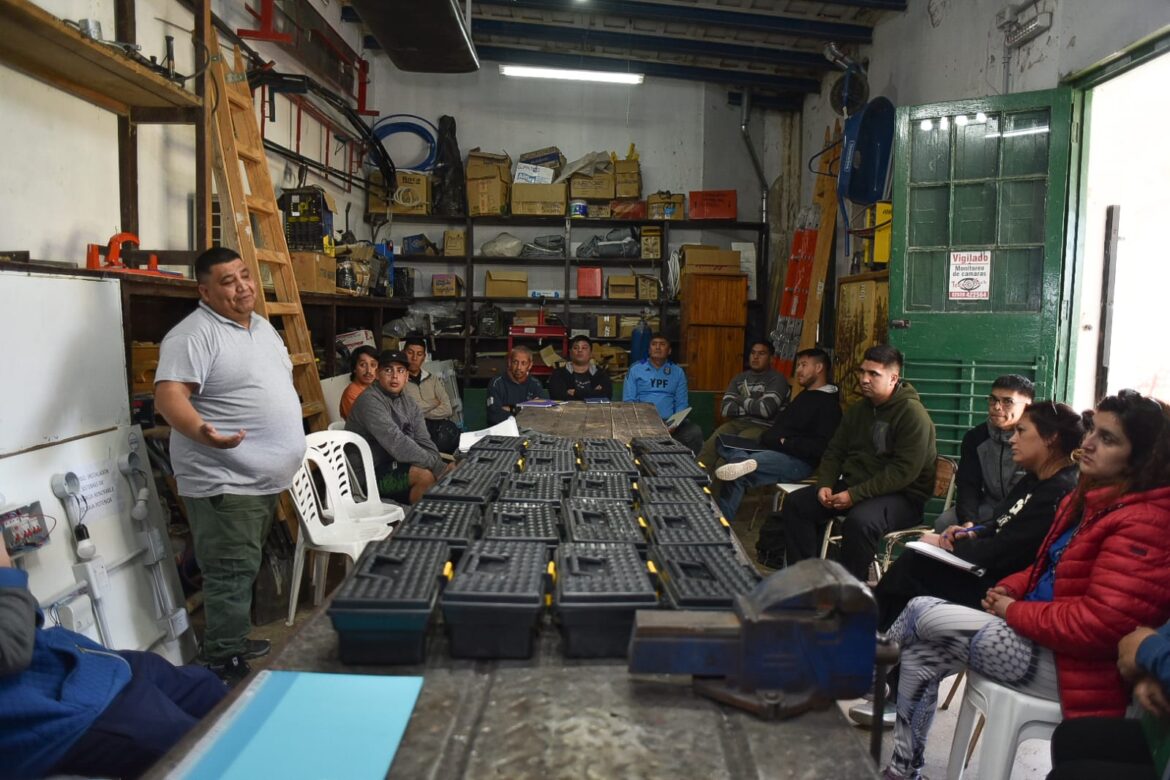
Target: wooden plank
pixel 39 44
pixel 826 199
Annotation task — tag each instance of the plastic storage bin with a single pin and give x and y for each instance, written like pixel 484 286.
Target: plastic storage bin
pixel 453 522
pixel 540 488
pixel 589 446
pixel 505 443
pixel 599 587
pixel 701 576
pixel 673 464
pixel 477 485
pixel 382 610
pixel 524 522
pixel 563 462
pixel 546 441
pixel 602 485
pixel 612 462
pixel 672 490
pixel 645 445
pixel 494 460
pixel 592 520
pixel 685 524
pixel 492 606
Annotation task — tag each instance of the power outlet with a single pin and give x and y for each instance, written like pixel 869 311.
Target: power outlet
pixel 77 615
pixel 24 528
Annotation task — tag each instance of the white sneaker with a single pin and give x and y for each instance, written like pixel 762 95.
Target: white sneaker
pixel 862 714
pixel 730 472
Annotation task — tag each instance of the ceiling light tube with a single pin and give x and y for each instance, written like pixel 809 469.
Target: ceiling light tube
pixel 597 76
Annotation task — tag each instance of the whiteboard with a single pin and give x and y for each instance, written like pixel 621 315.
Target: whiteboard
pixel 63 356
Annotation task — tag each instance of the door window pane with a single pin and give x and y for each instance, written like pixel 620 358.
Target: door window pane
pixel 1021 214
pixel 925 278
pixel 974 214
pixel 930 155
pixel 1017 277
pixel 1025 143
pixel 929 223
pixel 976 146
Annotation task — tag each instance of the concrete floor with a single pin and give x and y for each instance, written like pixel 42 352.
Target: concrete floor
pixel 1032 759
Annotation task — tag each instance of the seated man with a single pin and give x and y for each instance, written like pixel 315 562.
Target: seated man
pixel 406 461
pixel 751 402
pixel 656 380
pixel 515 387
pixel 70 706
pixel 430 395
pixel 795 441
pixel 878 471
pixel 579 378
pixel 987 471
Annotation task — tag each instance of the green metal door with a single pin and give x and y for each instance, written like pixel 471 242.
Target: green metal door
pixel 976 281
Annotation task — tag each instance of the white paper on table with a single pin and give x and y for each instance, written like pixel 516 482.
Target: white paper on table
pixel 506 428
pixel 939 554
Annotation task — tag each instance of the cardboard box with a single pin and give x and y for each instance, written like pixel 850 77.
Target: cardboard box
pixel 506 284
pixel 599 186
pixel 454 243
pixel 627 166
pixel 699 259
pixel 533 174
pixel 446 285
pixel 664 205
pixel 526 317
pixel 548 157
pixel 607 326
pixel 621 288
pixel 487 165
pixel 487 197
pixel 588 282
pixel 628 209
pixel 598 211
pixel 413 195
pixel 143 364
pixel 713 204
pixel 647 287
pixel 539 199
pixel 651 243
pixel 315 271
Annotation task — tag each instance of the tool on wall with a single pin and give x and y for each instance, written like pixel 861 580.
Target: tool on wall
pixel 113 254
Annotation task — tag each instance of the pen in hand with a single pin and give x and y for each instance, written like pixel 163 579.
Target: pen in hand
pixel 972 531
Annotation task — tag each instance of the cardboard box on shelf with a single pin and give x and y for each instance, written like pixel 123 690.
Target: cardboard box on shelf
pixel 627 323
pixel 487 165
pixel 621 288
pixel 353 339
pixel 506 284
pixel 533 174
pixel 454 242
pixel 588 282
pixel 526 317
pixel 487 197
pixel 538 199
pixel 713 204
pixel 627 179
pixel 598 211
pixel 607 326
pixel 627 166
pixel 628 209
pixel 315 271
pixel 548 157
pixel 700 259
pixel 647 287
pixel 143 363
pixel 412 195
pixel 599 186
pixel 446 285
pixel 665 205
pixel 651 243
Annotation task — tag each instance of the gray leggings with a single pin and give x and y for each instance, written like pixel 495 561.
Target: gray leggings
pixel 939 638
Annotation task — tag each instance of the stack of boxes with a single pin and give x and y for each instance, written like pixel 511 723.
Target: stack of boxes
pixel 489 183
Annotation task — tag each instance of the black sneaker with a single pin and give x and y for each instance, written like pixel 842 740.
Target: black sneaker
pixel 255 648
pixel 230 670
pixel 772 559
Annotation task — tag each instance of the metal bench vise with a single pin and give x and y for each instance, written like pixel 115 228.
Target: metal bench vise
pixel 803 638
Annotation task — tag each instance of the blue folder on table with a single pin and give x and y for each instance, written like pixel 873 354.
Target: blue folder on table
pixel 303 724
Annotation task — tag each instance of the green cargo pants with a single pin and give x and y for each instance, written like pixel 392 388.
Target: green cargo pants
pixel 229 532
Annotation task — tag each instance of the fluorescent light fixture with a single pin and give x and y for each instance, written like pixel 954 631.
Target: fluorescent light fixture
pixel 605 77
pixel 1022 131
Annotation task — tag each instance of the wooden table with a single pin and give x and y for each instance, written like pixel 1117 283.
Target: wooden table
pixel 576 420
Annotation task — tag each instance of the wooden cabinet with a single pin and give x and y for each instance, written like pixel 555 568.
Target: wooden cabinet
pixel 713 321
pixel 863 303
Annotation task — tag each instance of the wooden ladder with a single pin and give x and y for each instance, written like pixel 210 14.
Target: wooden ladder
pixel 252 224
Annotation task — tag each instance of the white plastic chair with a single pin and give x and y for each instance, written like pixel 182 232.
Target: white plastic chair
pixel 337 425
pixel 1012 717
pixel 352 524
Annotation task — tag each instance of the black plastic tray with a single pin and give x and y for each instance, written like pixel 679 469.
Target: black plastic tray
pixel 492 460
pixel 673 464
pixel 589 446
pixel 492 606
pixel 593 520
pixel 701 576
pixel 685 524
pixel 540 488
pixel 599 587
pixel 474 484
pixel 505 443
pixel 612 462
pixel 563 462
pixel 524 522
pixel 645 445
pixel 383 608
pixel 602 485
pixel 547 441
pixel 453 522
pixel 672 490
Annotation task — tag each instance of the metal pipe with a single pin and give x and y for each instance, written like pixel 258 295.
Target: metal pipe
pixel 746 112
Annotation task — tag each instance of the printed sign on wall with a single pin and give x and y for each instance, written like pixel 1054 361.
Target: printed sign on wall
pixel 970 277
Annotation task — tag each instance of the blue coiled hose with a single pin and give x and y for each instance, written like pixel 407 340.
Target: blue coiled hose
pixel 416 125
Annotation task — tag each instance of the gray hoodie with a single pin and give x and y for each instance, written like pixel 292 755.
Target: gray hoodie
pixel 395 429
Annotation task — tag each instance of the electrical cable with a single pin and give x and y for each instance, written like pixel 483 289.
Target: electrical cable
pixel 423 129
pixel 818 154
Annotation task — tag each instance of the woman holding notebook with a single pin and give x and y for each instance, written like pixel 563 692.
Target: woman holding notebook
pixel 1051 630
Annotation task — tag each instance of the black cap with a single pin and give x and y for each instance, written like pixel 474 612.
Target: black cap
pixel 392 356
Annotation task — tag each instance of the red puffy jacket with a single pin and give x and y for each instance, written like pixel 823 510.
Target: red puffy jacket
pixel 1113 577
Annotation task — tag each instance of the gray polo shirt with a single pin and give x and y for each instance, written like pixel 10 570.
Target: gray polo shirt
pixel 244 380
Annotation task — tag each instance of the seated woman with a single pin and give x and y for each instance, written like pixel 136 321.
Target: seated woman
pixel 1042 444
pixel 1052 630
pixel 365 368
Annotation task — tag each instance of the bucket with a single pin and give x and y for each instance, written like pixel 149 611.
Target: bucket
pixel 578 209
